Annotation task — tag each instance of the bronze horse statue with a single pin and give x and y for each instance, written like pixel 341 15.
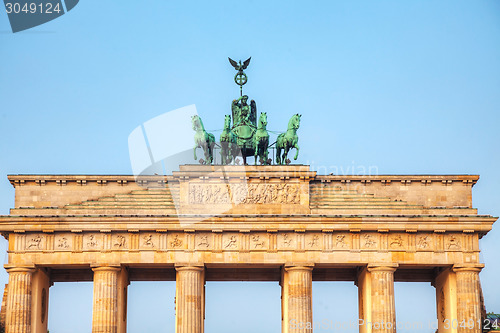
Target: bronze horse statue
pixel 203 139
pixel 228 150
pixel 288 140
pixel 261 140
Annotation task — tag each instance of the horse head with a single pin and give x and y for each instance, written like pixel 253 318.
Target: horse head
pixel 227 121
pixel 294 122
pixel 263 119
pixel 197 123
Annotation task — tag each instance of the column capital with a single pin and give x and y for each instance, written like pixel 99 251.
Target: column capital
pixel 180 268
pixel 298 268
pixel 19 269
pixel 382 267
pixel 107 268
pixel 467 268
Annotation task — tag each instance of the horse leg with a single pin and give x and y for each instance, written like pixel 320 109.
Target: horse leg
pixel 210 152
pixel 297 151
pixel 278 153
pixel 285 153
pixel 224 152
pixel 256 153
pixel 194 151
pixel 205 151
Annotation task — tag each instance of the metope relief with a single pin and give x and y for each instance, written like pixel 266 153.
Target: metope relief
pixel 203 241
pixel 452 242
pixel 120 242
pixel 92 241
pixel 34 242
pixel 230 242
pixel 341 241
pixel 244 193
pixel 258 242
pixel 286 241
pixel 369 241
pixel 424 242
pixel 397 241
pixel 313 241
pixel 63 242
pixel 176 241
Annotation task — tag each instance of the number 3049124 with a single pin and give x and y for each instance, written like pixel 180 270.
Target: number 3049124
pixel 32 8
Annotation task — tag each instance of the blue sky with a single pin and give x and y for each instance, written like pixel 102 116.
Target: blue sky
pixel 407 87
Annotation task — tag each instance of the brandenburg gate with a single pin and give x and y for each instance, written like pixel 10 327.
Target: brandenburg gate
pixel 248 223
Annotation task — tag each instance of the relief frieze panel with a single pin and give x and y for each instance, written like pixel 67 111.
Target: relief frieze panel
pixel 231 242
pixel 258 241
pixel 35 242
pixel 453 242
pixel 63 242
pixel 92 241
pixel 248 193
pixel 398 242
pixel 369 241
pixel 148 241
pixel 204 241
pixel 287 241
pixel 244 241
pixel 176 241
pixel 120 241
pixel 341 241
pixel 424 242
pixel 313 241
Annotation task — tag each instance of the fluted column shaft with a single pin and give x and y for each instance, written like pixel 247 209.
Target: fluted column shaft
pixel 382 293
pixel 18 318
pixel 105 308
pixel 468 299
pixel 297 299
pixel 189 299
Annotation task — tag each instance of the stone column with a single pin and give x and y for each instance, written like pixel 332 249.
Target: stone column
pixel 364 284
pixel 296 298
pixel 446 301
pixel 383 308
pixel 468 298
pixel 189 298
pixel 105 308
pixel 40 285
pixel 18 318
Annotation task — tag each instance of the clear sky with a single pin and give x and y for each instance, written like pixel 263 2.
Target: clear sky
pixel 406 87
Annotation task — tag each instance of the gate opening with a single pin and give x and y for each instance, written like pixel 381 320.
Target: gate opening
pixel 70 307
pixel 243 307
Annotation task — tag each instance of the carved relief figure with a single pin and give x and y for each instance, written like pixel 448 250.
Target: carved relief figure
pixel 256 242
pixel 120 241
pixel 397 241
pixel 423 242
pixel 176 242
pixel 148 240
pixel 204 241
pixel 35 243
pixel 92 241
pixel 453 243
pixel 287 241
pixel 63 243
pixel 231 243
pixel 340 241
pixel 314 241
pixel 369 242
